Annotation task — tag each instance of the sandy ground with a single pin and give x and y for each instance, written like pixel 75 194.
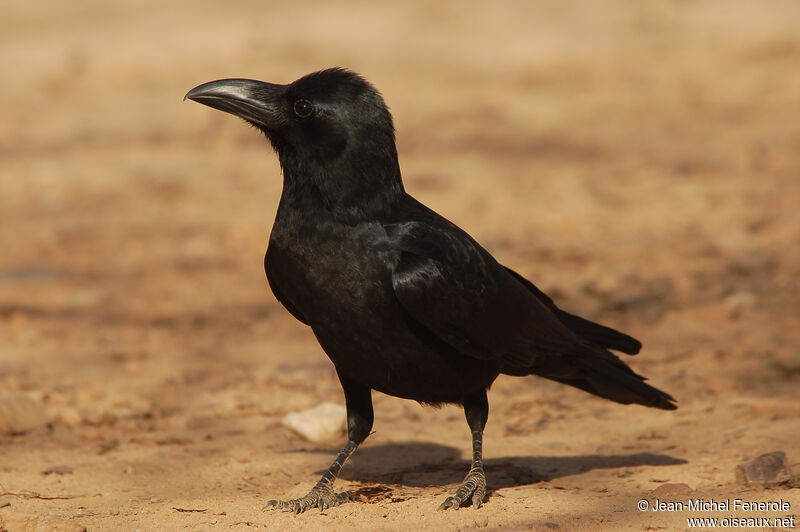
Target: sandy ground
pixel 637 160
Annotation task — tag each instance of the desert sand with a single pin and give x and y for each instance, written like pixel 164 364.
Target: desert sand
pixel 639 161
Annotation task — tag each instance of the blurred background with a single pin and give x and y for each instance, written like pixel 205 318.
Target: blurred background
pixel 636 160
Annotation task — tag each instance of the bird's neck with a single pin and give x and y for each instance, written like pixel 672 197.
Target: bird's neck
pixel 350 191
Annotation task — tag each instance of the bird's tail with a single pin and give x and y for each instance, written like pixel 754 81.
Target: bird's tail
pixel 605 376
pixel 599 335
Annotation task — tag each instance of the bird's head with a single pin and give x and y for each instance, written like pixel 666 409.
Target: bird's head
pixel 330 128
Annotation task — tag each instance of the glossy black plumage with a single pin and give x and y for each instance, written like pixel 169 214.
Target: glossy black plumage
pixel 402 300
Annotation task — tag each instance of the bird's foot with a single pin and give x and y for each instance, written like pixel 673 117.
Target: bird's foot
pixel 322 496
pixel 474 484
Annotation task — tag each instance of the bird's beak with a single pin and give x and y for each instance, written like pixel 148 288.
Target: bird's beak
pixel 255 101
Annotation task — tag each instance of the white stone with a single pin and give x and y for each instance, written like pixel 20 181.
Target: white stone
pixel 323 422
pixel 20 413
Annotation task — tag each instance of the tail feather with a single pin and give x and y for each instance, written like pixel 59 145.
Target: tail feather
pixel 593 368
pixel 599 334
pixel 606 377
pixel 590 331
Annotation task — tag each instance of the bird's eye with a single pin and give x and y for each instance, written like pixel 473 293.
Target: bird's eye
pixel 303 108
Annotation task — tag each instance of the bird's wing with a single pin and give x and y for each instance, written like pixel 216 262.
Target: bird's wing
pixel 449 284
pixel 588 330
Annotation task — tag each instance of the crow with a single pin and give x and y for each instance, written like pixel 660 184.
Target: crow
pixel 401 300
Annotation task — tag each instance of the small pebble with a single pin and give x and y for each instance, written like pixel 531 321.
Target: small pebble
pixel 19 413
pixel 769 468
pixel 671 489
pixel 323 422
pixel 58 470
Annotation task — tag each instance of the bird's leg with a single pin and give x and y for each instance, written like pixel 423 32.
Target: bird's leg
pixel 476 409
pixel 359 424
pixel 321 495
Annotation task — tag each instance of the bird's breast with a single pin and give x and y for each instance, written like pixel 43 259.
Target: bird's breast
pixel 327 269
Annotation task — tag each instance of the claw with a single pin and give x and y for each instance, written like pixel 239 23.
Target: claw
pixel 447 504
pixel 478 496
pixel 474 485
pixel 320 497
pixel 270 504
pixel 477 501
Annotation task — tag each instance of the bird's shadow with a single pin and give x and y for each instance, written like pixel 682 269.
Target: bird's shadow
pixel 419 464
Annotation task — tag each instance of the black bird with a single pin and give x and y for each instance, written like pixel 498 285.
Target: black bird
pixel 401 300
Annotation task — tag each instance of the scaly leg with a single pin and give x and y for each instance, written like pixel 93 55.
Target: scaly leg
pixel 476 409
pixel 359 424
